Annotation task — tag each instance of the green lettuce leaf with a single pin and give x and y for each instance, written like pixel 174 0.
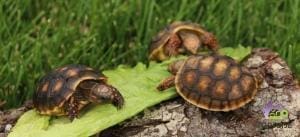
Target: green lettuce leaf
pixel 237 53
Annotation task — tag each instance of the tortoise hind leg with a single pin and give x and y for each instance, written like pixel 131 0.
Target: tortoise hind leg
pixel 166 83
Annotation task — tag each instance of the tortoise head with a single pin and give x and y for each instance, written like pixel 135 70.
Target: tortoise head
pixel 100 92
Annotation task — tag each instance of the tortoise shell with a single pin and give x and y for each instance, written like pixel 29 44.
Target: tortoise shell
pixel 215 82
pixel 185 36
pixel 58 86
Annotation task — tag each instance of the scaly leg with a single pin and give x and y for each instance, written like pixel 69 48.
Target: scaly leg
pixel 71 108
pixel 166 83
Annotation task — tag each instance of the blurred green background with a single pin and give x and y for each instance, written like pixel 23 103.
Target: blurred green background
pixel 37 36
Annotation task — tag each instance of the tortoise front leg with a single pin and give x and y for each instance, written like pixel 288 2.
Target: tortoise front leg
pixel 166 83
pixel 72 108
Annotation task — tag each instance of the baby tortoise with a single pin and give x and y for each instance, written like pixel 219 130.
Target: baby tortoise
pixel 178 38
pixel 212 82
pixel 68 89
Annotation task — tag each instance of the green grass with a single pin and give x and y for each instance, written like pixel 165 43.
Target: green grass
pixel 37 36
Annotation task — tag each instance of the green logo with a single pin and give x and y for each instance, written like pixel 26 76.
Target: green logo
pixel 276 115
pixel 275 112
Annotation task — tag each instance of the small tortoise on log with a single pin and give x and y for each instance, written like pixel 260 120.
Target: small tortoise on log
pixel 178 38
pixel 212 82
pixel 68 89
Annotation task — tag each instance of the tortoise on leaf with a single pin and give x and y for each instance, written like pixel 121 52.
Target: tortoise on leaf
pixel 212 82
pixel 178 38
pixel 66 90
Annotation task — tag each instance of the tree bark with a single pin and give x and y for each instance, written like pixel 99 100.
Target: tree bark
pixel 178 118
pixel 8 118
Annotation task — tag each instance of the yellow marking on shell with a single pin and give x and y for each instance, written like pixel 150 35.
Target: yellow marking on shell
pixel 59 111
pixel 220 67
pixel 234 73
pixel 190 78
pixel 206 63
pixel 162 55
pixel 203 83
pixel 76 83
pixel 82 104
pixel 235 92
pixel 56 111
pixel 71 73
pixel 246 83
pixel 58 85
pixel 61 104
pixel 45 87
pixel 219 90
pixel 158 53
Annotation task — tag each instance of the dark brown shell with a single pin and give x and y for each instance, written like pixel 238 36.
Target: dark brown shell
pixel 215 82
pixel 182 33
pixel 55 88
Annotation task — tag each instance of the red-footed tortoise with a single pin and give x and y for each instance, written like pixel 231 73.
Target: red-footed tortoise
pixel 178 38
pixel 212 82
pixel 66 90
